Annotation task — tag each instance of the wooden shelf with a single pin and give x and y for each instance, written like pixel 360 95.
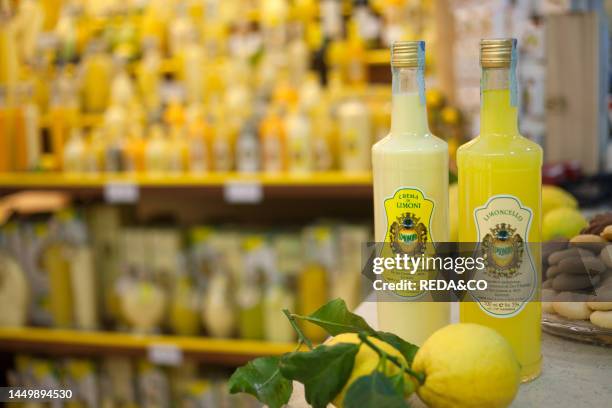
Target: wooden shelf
pixel 229 352
pixel 328 184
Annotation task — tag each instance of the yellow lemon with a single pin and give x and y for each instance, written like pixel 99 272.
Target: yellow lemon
pixel 555 197
pixel 467 365
pixel 562 222
pixel 365 361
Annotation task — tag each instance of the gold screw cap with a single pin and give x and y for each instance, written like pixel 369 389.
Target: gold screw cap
pixel 410 54
pixel 497 53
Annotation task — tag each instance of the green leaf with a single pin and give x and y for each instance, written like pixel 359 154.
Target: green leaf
pixel 374 391
pixel 262 379
pixel 336 319
pixel 408 350
pixel 323 371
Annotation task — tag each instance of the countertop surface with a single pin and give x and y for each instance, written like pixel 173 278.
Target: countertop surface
pixel 573 374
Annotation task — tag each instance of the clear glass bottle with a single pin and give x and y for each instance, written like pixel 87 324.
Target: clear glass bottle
pixel 272 134
pixel 355 134
pixel 501 170
pixel 247 148
pixel 6 144
pixel 148 77
pixel 299 149
pixel 31 118
pixel 74 160
pixel 410 170
pixel 63 114
pixel 97 76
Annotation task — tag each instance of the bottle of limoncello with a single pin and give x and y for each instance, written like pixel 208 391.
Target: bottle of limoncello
pixel 499 207
pixel 410 169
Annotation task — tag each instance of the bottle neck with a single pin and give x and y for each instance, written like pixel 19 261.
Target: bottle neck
pixel 408 114
pixel 499 105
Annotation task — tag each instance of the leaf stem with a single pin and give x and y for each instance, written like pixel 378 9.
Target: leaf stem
pixel 301 336
pixel 381 353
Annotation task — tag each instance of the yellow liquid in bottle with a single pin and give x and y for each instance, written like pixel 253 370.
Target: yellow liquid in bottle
pixel 502 162
pixel 411 161
pixel 97 83
pixel 20 160
pixel 6 143
pixel 312 294
pixel 60 296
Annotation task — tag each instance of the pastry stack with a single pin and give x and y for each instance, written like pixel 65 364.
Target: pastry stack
pixel 578 274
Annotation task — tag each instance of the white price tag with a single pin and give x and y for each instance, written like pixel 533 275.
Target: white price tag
pixel 120 192
pixel 165 354
pixel 242 192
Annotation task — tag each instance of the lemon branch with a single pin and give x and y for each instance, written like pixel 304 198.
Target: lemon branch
pixel 382 354
pixel 301 336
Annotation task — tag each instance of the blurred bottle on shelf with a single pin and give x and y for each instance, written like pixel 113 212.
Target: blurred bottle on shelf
pixel 156 155
pixel 117 382
pixel 278 297
pixel 6 131
pixel 9 54
pixel 143 305
pixel 14 292
pixel 57 265
pixel 174 117
pixel 83 278
pixel 103 223
pixel 81 376
pixel 154 22
pixel 181 30
pixel 354 60
pixel 192 65
pixel 218 308
pixel 247 148
pixel 355 137
pixel 199 134
pixel 66 32
pixel 185 307
pixel 313 280
pixel 345 280
pixel 148 77
pixel 134 148
pixel 312 294
pixel 153 385
pixel 299 146
pixel 30 120
pixel 256 264
pixel 323 135
pixel 273 140
pixel 74 155
pixel 63 114
pixel 222 142
pixel 20 146
pixel 95 153
pixel 97 77
pixel 117 118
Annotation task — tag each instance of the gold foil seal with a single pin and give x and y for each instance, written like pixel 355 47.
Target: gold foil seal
pixel 497 53
pixel 409 54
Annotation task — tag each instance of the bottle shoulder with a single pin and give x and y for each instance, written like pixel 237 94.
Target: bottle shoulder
pixel 500 144
pixel 410 142
pixel 500 151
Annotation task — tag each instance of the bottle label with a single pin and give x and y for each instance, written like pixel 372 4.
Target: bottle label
pixel 409 213
pixel 503 225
